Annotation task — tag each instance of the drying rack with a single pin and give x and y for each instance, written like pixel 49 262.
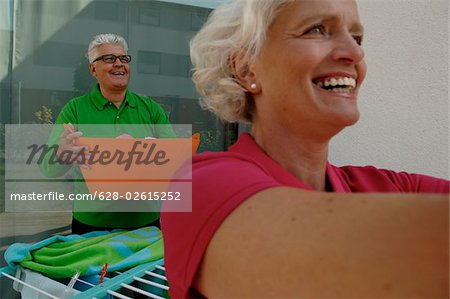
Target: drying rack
pixel 146 281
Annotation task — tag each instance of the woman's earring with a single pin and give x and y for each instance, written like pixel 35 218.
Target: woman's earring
pixel 253 86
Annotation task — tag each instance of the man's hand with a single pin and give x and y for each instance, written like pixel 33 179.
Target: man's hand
pixel 68 151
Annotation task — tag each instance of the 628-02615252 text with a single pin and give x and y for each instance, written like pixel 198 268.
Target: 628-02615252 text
pixel 155 195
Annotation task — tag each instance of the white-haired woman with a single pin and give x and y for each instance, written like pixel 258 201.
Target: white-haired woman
pixel 272 217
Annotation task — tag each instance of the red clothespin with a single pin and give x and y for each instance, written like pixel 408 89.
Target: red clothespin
pixel 103 273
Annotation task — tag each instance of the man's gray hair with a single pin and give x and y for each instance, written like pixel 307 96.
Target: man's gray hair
pixel 101 39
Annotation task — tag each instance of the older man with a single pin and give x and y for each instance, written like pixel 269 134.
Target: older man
pixel 109 102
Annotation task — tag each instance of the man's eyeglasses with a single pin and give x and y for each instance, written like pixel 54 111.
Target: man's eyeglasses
pixel 111 58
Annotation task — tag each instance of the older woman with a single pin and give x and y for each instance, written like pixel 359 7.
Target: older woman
pixel 264 222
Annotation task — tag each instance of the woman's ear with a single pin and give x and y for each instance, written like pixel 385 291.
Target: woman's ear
pixel 243 73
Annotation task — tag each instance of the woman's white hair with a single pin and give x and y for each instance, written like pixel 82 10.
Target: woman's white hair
pixel 236 28
pixel 101 39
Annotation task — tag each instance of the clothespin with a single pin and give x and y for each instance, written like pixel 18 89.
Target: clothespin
pixel 69 287
pixel 103 273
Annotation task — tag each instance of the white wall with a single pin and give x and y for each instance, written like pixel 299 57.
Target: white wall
pixel 404 102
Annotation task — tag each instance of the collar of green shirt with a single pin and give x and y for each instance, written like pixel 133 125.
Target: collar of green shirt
pixel 100 101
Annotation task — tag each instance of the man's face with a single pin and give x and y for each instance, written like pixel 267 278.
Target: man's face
pixel 111 76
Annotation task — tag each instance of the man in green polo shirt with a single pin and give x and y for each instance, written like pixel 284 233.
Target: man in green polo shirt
pixel 109 102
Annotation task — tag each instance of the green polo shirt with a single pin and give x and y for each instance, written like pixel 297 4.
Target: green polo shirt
pixel 93 108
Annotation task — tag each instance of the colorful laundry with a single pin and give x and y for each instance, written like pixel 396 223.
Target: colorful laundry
pixel 61 256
